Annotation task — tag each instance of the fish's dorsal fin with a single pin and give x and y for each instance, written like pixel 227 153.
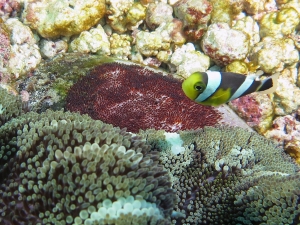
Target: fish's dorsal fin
pixel 274 78
pixel 259 73
pixel 256 76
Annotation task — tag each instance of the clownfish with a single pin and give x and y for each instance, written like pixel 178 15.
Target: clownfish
pixel 215 88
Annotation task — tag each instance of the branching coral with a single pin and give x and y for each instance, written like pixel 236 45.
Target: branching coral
pixel 230 176
pixel 134 97
pixel 64 168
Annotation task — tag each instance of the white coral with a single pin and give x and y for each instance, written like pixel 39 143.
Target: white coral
pixel 187 60
pixel 25 52
pixel 248 25
pixel 124 15
pixel 287 95
pixel 120 45
pixel 149 44
pixel 49 48
pixel 52 18
pixel 273 55
pixel 94 40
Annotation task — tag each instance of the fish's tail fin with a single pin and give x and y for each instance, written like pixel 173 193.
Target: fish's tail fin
pixel 269 85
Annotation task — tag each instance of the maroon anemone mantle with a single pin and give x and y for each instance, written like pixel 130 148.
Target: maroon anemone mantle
pixel 134 97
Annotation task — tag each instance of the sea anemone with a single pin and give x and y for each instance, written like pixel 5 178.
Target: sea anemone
pixel 229 176
pixel 64 168
pixel 137 98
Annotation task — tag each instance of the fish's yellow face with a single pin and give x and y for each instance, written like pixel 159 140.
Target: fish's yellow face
pixel 193 86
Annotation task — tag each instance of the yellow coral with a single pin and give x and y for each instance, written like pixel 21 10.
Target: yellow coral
pixel 52 18
pixel 279 24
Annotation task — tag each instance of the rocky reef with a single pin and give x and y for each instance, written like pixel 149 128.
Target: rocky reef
pixel 59 55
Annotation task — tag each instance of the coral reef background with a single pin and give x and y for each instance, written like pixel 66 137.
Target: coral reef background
pixel 95 55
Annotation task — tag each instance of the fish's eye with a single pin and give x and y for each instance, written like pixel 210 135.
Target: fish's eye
pixel 199 86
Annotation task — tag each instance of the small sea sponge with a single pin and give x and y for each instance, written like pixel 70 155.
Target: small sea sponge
pixel 137 98
pixel 229 176
pixel 64 168
pixel 10 106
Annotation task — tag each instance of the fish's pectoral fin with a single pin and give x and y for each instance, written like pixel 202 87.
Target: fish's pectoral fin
pixel 221 93
pixel 220 97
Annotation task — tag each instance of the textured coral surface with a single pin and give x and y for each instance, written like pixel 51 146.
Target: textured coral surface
pixel 137 98
pixel 52 18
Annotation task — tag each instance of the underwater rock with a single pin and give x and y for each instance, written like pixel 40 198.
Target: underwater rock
pixel 120 45
pixel 279 24
pixel 187 60
pixel 25 54
pixel 195 15
pixel 124 15
pixel 274 54
pixel 49 48
pixel 93 41
pixel 286 131
pixel 222 11
pixel 249 26
pixel 259 7
pixel 256 110
pixel 9 8
pixel 158 13
pixel 295 4
pixel 224 44
pixel 5 52
pixel 287 95
pixel 150 44
pixel 54 18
